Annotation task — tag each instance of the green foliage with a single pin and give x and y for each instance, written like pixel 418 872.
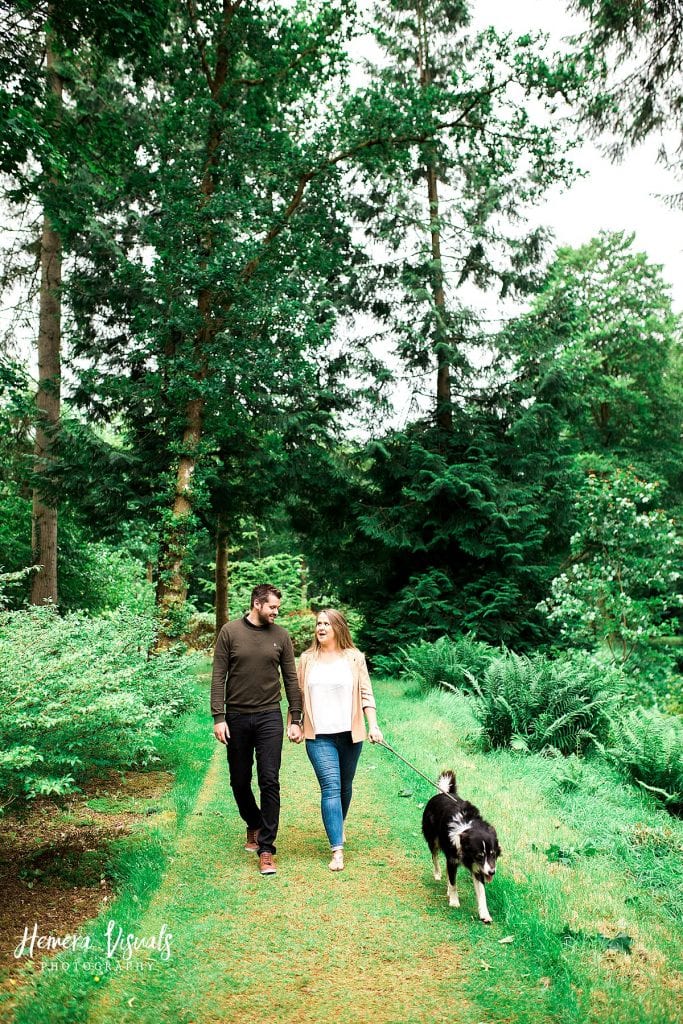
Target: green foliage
pixel 201 633
pixel 533 703
pixel 93 574
pixel 300 625
pixel 568 855
pixel 99 577
pixel 621 942
pixel 453 664
pixel 9 581
pixel 464 530
pixel 451 85
pixel 634 54
pixel 222 360
pixel 561 706
pixel 284 571
pixel 79 696
pixel 603 322
pixel 15 531
pixel 648 746
pixel 622 586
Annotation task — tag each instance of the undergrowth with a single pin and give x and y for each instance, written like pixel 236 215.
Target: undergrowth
pixel 571 703
pixel 136 864
pixel 79 696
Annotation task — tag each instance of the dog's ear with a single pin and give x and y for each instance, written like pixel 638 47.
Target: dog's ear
pixel 498 849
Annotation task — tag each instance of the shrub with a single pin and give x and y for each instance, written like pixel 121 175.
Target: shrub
pixel 79 696
pixel 301 626
pixel 621 589
pixel 648 746
pixel 535 704
pixel 93 574
pixel 284 571
pixel 15 531
pixel 453 664
pixel 98 577
pixel 201 632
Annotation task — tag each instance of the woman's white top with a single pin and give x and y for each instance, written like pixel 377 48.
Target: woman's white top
pixel 330 685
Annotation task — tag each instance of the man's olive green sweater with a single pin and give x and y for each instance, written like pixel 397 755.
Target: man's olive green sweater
pixel 247 662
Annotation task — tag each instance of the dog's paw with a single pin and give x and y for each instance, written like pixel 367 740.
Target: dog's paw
pixel 437 876
pixel 453 901
pixel 486 920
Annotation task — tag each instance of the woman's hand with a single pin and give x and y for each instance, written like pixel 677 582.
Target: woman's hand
pixel 375 734
pixel 295 733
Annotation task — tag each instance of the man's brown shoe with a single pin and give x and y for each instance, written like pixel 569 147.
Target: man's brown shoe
pixel 266 864
pixel 252 840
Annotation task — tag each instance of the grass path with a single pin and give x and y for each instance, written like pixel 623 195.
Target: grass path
pixel 307 945
pixel 378 942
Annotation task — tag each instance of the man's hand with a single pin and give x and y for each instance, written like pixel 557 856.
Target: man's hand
pixel 295 733
pixel 221 732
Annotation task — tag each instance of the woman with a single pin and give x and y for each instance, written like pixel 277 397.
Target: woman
pixel 336 690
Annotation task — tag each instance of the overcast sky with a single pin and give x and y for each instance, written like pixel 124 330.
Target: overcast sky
pixel 613 197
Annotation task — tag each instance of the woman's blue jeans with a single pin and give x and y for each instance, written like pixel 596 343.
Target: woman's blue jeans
pixel 334 757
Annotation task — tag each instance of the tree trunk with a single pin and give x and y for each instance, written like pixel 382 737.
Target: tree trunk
pixel 171 588
pixel 304 584
pixel 222 605
pixel 44 518
pixel 444 413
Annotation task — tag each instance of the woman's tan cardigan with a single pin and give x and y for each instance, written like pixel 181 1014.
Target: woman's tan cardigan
pixel 363 696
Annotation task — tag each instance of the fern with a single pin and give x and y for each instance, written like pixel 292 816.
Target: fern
pixel 648 746
pixel 533 704
pixel 451 664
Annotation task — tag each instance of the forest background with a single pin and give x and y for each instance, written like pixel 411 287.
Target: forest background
pixel 231 242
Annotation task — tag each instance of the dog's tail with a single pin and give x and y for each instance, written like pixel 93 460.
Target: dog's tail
pixel 447 781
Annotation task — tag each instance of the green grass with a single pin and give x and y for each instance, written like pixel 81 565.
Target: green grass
pixel 588 856
pixel 63 994
pixel 620 888
pixel 124 804
pixel 612 814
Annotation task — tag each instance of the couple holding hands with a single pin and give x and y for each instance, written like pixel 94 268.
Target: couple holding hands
pixel 328 695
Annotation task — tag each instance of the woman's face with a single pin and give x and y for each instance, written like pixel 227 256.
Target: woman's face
pixel 323 630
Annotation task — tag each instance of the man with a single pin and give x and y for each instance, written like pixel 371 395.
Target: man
pixel 245 703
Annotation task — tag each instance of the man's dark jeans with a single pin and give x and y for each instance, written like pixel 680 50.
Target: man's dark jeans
pixel 260 733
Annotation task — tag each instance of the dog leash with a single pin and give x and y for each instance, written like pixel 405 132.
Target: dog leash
pixel 431 782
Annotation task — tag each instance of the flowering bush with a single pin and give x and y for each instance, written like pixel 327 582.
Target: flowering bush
pixel 621 589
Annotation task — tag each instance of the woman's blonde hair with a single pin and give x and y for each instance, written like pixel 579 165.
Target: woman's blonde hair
pixel 340 628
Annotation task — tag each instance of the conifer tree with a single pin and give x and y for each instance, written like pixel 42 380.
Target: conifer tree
pixel 219 331
pixel 44 519
pixel 634 51
pixel 603 324
pixel 452 209
pixel 49 151
pixel 242 207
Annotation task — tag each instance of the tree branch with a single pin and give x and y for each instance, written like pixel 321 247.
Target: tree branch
pixel 200 41
pixel 281 74
pixel 249 269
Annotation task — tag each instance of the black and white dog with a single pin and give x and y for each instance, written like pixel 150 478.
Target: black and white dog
pixel 456 827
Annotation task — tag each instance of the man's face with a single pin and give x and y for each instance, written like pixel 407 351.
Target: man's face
pixel 267 611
